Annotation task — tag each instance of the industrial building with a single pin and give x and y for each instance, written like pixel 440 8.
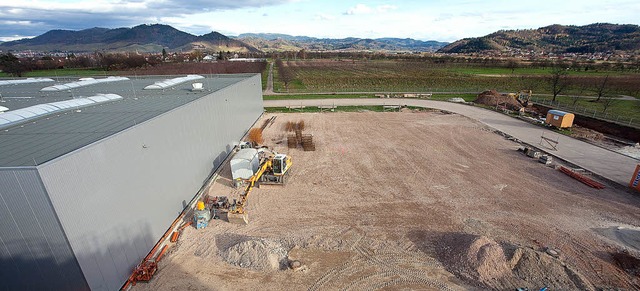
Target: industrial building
pixel 94 171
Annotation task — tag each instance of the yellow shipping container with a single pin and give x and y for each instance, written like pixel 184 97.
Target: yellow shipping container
pixel 560 119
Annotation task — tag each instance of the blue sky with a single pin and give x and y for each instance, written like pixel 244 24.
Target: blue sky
pixel 425 20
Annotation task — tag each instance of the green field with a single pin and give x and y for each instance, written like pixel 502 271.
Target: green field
pixel 315 96
pixel 314 76
pixel 312 109
pixel 441 97
pixel 622 111
pixel 466 81
pixel 524 71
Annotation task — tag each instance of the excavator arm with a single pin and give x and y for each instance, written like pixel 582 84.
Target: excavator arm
pixel 238 214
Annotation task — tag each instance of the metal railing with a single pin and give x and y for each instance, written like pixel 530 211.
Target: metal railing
pixel 589 112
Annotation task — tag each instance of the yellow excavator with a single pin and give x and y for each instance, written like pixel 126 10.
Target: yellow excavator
pixel 523 97
pixel 273 171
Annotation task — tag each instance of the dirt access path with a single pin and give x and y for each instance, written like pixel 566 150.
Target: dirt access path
pixel 413 200
pixel 269 89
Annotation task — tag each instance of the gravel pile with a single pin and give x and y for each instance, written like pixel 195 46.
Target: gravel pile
pixel 485 262
pixel 257 254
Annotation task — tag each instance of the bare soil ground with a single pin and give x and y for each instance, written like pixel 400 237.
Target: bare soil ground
pixel 411 200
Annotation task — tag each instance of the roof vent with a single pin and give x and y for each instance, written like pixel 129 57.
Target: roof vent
pixel 24 81
pixel 81 83
pixel 168 83
pixel 196 87
pixel 21 115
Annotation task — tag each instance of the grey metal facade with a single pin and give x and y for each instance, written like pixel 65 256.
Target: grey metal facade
pixel 114 198
pixel 34 253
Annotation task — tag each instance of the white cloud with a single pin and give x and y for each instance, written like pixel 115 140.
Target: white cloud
pixel 364 9
pixel 14 37
pixel 21 23
pixel 386 8
pixel 440 20
pixel 359 9
pixel 322 16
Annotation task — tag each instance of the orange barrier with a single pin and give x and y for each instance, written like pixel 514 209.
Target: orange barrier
pixel 635 180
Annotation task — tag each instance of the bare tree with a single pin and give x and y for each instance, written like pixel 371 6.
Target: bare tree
pixel 558 80
pixel 284 73
pixel 607 102
pixel 513 65
pixel 575 98
pixel 601 88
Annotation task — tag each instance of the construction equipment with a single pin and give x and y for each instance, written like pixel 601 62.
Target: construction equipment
pixel 201 216
pixel 273 171
pixel 523 97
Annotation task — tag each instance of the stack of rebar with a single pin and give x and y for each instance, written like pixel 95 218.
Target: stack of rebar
pixel 298 138
pixel 307 142
pixel 292 143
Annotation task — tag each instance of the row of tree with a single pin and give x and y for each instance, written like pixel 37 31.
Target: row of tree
pixel 285 74
pixel 601 87
pixel 463 60
pixel 14 66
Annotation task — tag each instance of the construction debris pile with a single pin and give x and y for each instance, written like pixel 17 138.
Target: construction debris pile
pixel 299 138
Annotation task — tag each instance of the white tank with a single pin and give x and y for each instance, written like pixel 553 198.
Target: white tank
pixel 244 164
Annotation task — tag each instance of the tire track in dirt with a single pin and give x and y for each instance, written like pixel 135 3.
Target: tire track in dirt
pixel 369 269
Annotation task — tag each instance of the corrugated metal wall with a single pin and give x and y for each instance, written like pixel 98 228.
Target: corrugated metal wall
pixel 115 198
pixel 34 253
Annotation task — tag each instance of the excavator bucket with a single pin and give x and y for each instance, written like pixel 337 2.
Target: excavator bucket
pixel 238 218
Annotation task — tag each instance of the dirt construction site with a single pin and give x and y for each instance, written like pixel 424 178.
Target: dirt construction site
pixel 411 200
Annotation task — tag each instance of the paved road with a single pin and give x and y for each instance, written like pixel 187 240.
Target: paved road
pixel 611 165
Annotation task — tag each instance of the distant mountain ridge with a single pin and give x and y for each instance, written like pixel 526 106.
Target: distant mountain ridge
pixel 284 42
pixel 592 38
pixel 141 38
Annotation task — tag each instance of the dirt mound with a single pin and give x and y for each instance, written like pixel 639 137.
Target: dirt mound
pixel 483 261
pixel 477 259
pixel 585 133
pixel 493 98
pixel 533 267
pixel 257 254
pixel 627 262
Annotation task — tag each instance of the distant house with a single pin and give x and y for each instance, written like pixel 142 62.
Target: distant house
pixel 210 58
pixel 247 60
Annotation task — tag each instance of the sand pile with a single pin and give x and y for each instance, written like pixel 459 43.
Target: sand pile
pixel 478 259
pixel 493 98
pixel 483 261
pixel 257 254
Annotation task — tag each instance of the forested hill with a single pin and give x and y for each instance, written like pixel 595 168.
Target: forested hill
pixel 592 38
